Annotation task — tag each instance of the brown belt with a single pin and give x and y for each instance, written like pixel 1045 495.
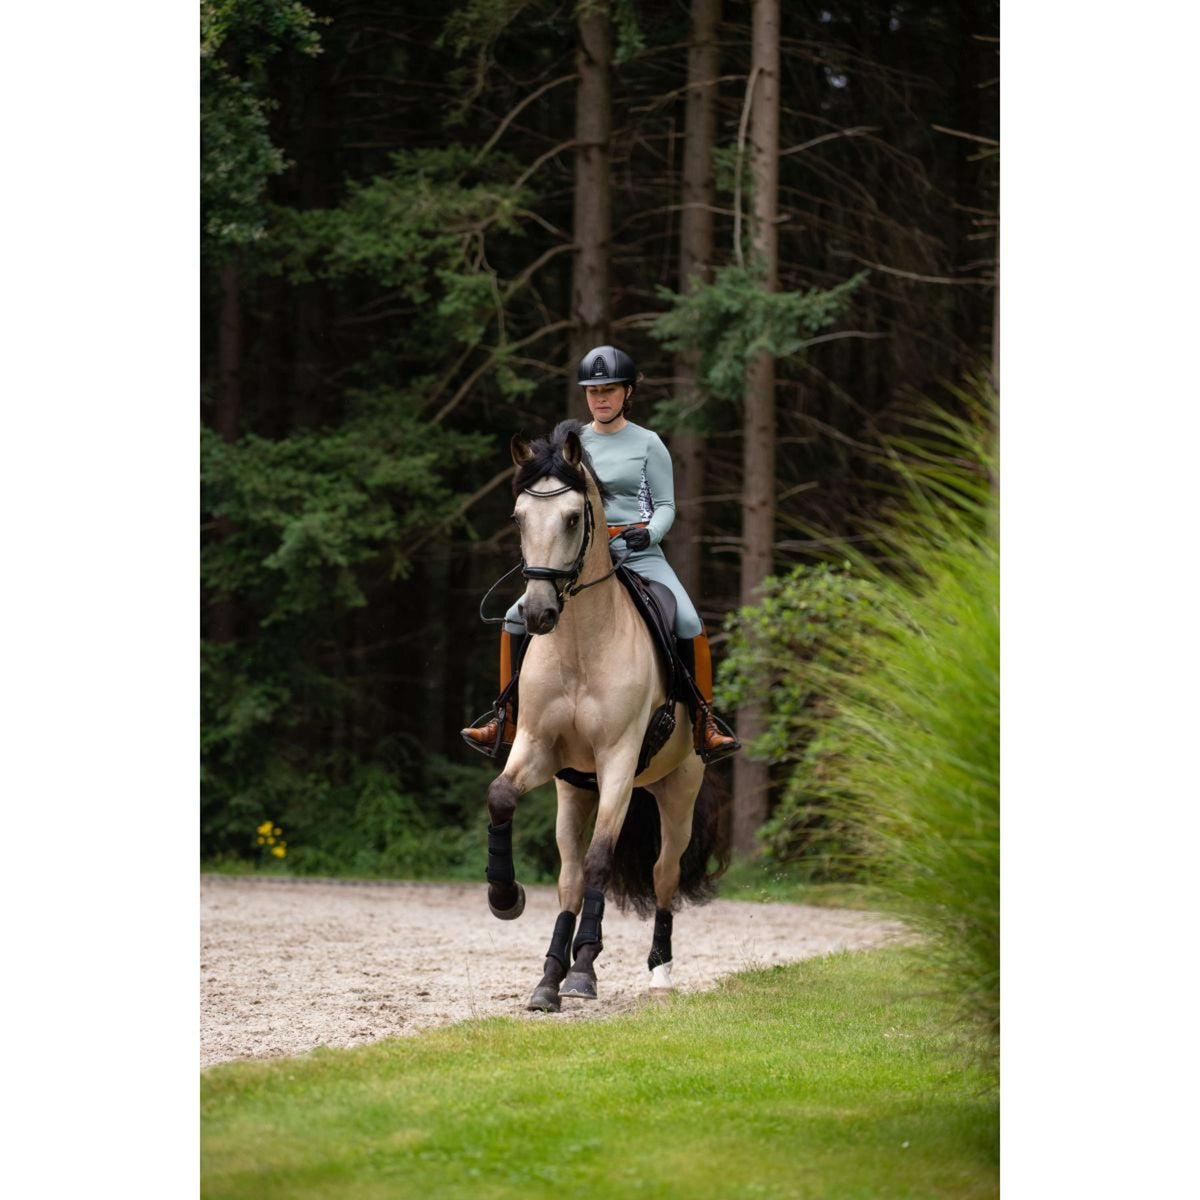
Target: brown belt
pixel 617 530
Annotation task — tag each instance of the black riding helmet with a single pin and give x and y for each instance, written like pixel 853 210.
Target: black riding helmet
pixel 607 364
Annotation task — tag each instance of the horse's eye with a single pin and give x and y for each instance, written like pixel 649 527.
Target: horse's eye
pixel 572 520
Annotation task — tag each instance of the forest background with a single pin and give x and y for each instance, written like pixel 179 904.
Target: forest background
pixel 415 218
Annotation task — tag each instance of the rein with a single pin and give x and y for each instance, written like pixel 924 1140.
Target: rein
pixel 569 575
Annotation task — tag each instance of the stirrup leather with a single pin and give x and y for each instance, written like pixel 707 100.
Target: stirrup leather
pixel 504 710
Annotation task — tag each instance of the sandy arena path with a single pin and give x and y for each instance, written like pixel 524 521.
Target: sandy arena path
pixel 286 966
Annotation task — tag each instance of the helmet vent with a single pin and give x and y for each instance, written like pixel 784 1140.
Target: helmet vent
pixel 599 367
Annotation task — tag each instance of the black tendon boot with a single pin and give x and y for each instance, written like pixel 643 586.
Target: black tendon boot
pixel 558 959
pixel 659 960
pixel 581 979
pixel 506 897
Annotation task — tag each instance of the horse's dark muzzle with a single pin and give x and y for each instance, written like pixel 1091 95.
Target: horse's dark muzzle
pixel 542 621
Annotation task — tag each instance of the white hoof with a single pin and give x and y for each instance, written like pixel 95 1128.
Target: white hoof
pixel 660 978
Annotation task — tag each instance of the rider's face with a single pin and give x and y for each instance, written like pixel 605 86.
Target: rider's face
pixel 605 400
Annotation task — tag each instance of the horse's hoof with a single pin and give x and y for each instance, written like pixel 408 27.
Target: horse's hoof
pixel 579 985
pixel 509 914
pixel 544 999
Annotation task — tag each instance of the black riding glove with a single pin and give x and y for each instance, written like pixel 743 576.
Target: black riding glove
pixel 637 539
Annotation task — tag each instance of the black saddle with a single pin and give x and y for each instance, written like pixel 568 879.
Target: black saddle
pixel 656 604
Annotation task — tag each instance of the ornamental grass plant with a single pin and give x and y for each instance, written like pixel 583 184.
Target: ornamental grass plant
pixel 894 721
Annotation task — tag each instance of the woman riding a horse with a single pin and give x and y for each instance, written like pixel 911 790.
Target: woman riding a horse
pixel 593 689
pixel 635 468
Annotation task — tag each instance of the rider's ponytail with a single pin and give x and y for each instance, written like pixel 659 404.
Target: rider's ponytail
pixel 627 407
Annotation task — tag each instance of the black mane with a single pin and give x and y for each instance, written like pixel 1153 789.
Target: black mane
pixel 548 460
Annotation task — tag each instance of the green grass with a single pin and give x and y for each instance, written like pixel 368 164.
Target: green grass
pixel 830 1078
pixel 769 882
pixel 759 880
pixel 243 866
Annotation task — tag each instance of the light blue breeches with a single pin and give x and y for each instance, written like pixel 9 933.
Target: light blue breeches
pixel 651 563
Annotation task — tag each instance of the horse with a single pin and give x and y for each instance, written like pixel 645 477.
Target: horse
pixel 589 681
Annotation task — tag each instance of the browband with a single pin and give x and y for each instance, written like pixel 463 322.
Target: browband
pixel 566 487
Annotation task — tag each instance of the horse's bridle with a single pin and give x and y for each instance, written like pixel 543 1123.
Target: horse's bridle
pixel 569 576
pixel 564 579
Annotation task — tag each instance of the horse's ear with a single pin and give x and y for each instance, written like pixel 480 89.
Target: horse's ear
pixel 520 450
pixel 573 449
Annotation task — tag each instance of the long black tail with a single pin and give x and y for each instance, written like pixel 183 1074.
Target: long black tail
pixel 637 849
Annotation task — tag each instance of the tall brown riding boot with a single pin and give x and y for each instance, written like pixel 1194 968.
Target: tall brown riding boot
pixel 485 735
pixel 716 744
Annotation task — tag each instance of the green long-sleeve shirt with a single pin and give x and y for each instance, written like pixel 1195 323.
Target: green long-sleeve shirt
pixel 636 466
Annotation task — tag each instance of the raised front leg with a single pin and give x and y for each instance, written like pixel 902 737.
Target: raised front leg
pixel 506 897
pixel 525 770
pixel 575 807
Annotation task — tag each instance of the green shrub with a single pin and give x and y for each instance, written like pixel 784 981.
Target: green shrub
pixel 374 825
pixel 784 647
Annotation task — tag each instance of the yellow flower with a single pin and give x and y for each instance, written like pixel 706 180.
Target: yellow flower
pixel 277 831
pixel 278 851
pixel 270 841
pixel 261 840
pixel 264 828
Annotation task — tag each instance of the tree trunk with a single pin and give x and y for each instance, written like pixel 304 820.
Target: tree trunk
pixel 751 779
pixel 591 313
pixel 695 266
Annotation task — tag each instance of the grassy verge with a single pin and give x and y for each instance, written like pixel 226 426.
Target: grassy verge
pixel 829 1078
pixel 746 879
pixel 243 868
pixel 769 882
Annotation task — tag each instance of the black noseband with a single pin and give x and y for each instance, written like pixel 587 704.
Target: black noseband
pixel 563 579
pixel 568 577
